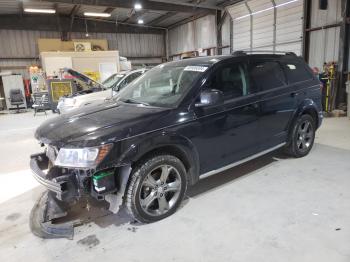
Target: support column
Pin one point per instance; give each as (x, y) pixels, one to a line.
(166, 44)
(306, 25)
(344, 52)
(274, 25)
(219, 32)
(231, 35)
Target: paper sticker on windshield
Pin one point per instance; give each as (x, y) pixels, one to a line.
(196, 68)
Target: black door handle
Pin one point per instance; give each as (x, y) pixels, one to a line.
(294, 94)
(250, 107)
(255, 105)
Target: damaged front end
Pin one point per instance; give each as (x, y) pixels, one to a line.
(66, 187)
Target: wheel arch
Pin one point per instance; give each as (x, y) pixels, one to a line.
(165, 143)
(308, 106)
(313, 113)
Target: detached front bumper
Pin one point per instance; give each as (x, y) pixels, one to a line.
(39, 162)
(54, 203)
(65, 186)
(45, 210)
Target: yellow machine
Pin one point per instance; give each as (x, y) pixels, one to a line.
(329, 77)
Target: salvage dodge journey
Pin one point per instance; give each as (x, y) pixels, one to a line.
(178, 122)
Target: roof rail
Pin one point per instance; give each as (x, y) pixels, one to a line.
(241, 52)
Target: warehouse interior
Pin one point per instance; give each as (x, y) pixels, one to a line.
(271, 208)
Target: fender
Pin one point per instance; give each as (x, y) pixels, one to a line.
(145, 145)
(166, 140)
(307, 105)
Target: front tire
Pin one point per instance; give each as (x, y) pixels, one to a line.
(156, 188)
(302, 136)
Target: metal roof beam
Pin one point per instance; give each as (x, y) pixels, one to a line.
(63, 24)
(206, 6)
(146, 4)
(109, 10)
(161, 18)
(226, 3)
(134, 15)
(190, 19)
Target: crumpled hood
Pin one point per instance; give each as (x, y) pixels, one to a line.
(101, 123)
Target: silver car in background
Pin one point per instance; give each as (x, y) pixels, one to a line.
(110, 87)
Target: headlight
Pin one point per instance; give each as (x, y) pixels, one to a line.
(87, 157)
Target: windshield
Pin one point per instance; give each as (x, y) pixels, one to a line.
(113, 80)
(163, 86)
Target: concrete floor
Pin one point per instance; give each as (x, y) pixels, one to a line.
(270, 209)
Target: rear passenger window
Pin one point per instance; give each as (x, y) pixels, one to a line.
(266, 75)
(296, 72)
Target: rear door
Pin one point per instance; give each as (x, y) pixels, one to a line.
(301, 80)
(277, 101)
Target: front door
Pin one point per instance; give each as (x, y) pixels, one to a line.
(228, 131)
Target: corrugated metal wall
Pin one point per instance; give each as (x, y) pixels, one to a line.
(200, 33)
(241, 27)
(324, 44)
(289, 26)
(18, 48)
(273, 25)
(263, 24)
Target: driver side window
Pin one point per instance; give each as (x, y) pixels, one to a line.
(231, 80)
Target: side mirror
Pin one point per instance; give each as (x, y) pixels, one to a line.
(210, 97)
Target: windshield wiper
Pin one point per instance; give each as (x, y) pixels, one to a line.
(132, 101)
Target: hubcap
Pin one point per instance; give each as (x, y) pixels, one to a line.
(305, 135)
(160, 190)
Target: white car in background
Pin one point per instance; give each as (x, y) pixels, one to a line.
(110, 87)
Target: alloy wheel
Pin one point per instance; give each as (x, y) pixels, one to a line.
(160, 190)
(305, 135)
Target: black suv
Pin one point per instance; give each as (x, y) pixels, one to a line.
(178, 122)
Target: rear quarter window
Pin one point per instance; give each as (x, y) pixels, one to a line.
(266, 75)
(296, 72)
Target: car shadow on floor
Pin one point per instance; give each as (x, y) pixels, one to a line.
(215, 181)
(89, 211)
(204, 186)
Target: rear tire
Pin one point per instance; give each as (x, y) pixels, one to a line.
(156, 188)
(302, 136)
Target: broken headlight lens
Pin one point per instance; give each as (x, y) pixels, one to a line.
(87, 157)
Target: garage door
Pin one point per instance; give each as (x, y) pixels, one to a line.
(268, 25)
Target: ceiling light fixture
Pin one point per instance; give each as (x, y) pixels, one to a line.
(137, 6)
(140, 21)
(97, 14)
(38, 10)
(264, 10)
